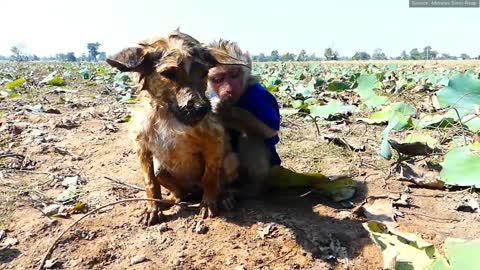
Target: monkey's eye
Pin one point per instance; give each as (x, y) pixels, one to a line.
(235, 74)
(170, 74)
(218, 80)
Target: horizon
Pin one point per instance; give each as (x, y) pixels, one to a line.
(49, 27)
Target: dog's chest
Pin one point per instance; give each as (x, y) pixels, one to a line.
(177, 150)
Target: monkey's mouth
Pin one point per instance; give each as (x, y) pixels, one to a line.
(191, 116)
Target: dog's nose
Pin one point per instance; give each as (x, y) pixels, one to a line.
(201, 108)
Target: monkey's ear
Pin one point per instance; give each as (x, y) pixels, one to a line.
(129, 59)
(220, 57)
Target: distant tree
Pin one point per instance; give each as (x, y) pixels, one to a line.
(464, 56)
(428, 53)
(3, 57)
(83, 57)
(447, 56)
(302, 56)
(274, 55)
(60, 57)
(378, 54)
(330, 54)
(93, 51)
(361, 56)
(288, 57)
(312, 57)
(415, 54)
(17, 54)
(70, 56)
(35, 58)
(102, 56)
(262, 57)
(404, 55)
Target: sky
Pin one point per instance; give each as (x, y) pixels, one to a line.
(48, 27)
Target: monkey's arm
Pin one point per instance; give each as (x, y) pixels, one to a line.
(244, 121)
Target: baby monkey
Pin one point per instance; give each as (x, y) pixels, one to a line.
(251, 116)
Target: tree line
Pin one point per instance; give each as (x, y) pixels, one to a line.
(93, 54)
(330, 54)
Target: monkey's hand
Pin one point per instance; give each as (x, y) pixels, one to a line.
(221, 108)
(244, 121)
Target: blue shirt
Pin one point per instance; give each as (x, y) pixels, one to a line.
(261, 103)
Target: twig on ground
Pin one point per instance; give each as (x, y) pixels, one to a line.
(166, 205)
(124, 184)
(314, 121)
(274, 260)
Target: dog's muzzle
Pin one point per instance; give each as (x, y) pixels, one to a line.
(191, 115)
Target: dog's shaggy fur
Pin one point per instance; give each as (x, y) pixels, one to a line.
(180, 144)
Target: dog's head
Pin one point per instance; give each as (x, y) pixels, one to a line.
(174, 69)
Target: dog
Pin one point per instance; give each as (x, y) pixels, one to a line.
(180, 143)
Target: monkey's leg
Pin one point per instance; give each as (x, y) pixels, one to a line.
(254, 169)
(152, 213)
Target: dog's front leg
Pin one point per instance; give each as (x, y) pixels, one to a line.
(213, 156)
(152, 213)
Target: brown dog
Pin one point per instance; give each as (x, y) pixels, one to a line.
(179, 142)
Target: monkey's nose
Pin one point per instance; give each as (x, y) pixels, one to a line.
(201, 108)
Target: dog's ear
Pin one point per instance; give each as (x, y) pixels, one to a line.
(129, 59)
(220, 57)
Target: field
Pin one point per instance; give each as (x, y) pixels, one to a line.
(406, 132)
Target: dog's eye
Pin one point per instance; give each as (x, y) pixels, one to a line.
(170, 74)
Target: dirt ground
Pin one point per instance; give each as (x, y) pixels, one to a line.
(294, 229)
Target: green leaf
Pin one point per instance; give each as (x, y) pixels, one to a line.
(272, 88)
(365, 89)
(426, 139)
(366, 84)
(472, 122)
(463, 254)
(288, 111)
(338, 86)
(437, 120)
(310, 101)
(404, 111)
(68, 194)
(15, 83)
(439, 264)
(56, 81)
(460, 166)
(462, 91)
(331, 108)
(385, 150)
(307, 91)
(392, 67)
(404, 251)
(296, 104)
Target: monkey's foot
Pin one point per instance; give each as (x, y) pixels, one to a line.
(151, 215)
(227, 200)
(208, 209)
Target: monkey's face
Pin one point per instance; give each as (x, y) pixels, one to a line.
(227, 82)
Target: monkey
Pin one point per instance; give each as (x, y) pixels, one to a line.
(251, 116)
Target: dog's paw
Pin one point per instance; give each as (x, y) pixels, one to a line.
(151, 216)
(208, 209)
